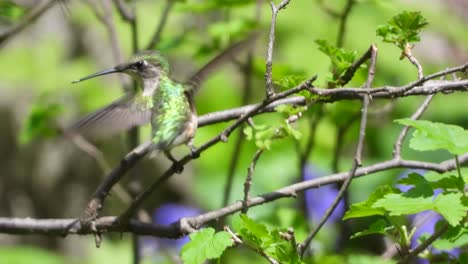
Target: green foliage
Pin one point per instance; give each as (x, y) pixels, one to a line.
(340, 58)
(212, 5)
(433, 136)
(26, 255)
(455, 236)
(365, 208)
(388, 201)
(10, 10)
(263, 135)
(290, 81)
(273, 242)
(402, 29)
(351, 259)
(451, 203)
(205, 244)
(377, 227)
(41, 122)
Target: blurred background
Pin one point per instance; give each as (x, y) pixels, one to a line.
(44, 175)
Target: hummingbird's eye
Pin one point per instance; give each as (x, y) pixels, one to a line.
(140, 64)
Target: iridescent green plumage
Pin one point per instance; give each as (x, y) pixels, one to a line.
(171, 113)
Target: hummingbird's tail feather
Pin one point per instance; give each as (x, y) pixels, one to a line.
(117, 117)
(222, 58)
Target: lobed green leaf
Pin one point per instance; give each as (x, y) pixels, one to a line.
(205, 244)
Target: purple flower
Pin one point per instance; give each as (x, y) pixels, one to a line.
(320, 199)
(167, 214)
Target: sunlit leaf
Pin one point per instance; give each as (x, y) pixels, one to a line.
(403, 28)
(433, 136)
(205, 244)
(450, 206)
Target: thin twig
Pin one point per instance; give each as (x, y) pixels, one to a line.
(248, 180)
(247, 73)
(162, 22)
(408, 54)
(404, 131)
(124, 11)
(349, 73)
(269, 58)
(357, 158)
(343, 22)
(28, 19)
(103, 189)
(425, 244)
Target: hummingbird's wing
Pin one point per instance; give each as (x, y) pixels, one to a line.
(217, 61)
(119, 116)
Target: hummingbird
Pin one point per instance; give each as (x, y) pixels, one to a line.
(160, 100)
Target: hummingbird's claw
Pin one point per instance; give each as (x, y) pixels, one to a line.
(194, 153)
(178, 168)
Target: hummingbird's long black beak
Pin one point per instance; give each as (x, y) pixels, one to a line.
(119, 68)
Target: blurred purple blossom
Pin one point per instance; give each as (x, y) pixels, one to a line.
(320, 199)
(167, 214)
(424, 222)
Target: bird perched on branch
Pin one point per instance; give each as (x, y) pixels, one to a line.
(165, 103)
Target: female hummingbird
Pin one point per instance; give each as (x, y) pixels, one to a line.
(167, 104)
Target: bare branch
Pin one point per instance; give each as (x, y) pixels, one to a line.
(37, 11)
(269, 64)
(404, 131)
(103, 189)
(408, 54)
(425, 244)
(357, 157)
(248, 179)
(125, 13)
(162, 22)
(60, 227)
(343, 21)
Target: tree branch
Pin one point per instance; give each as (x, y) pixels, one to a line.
(60, 227)
(269, 64)
(28, 19)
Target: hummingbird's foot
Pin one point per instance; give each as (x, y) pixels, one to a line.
(194, 153)
(178, 168)
(193, 150)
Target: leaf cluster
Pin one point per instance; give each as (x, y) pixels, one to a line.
(403, 29)
(442, 193)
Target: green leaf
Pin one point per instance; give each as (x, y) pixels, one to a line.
(41, 122)
(248, 132)
(399, 204)
(290, 110)
(454, 237)
(402, 29)
(257, 229)
(290, 131)
(450, 206)
(368, 259)
(422, 187)
(341, 59)
(365, 208)
(433, 136)
(290, 81)
(378, 227)
(205, 244)
(434, 177)
(451, 182)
